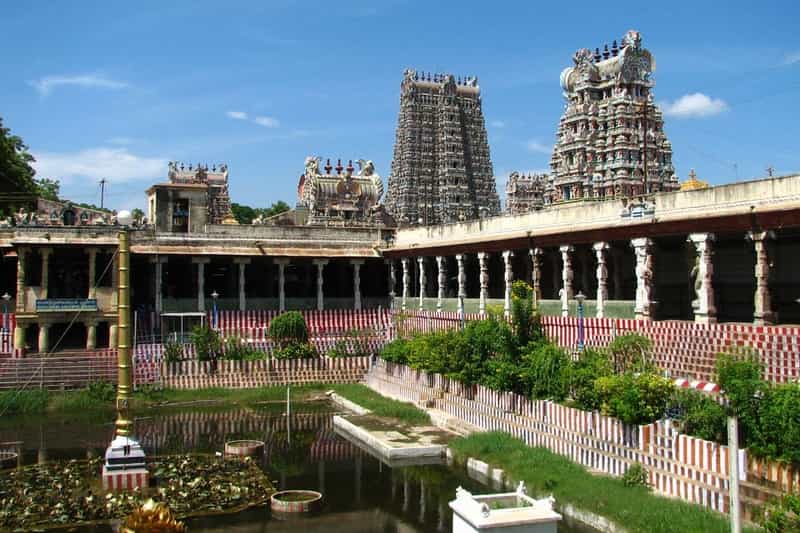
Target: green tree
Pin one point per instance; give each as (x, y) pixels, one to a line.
(137, 214)
(48, 189)
(16, 172)
(244, 214)
(276, 208)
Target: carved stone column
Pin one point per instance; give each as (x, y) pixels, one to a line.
(113, 336)
(441, 266)
(44, 337)
(484, 279)
(762, 310)
(703, 272)
(45, 272)
(201, 281)
(392, 282)
(566, 277)
(406, 281)
(509, 279)
(91, 335)
(462, 283)
(242, 262)
(92, 253)
(282, 263)
(643, 248)
(21, 260)
(423, 280)
(536, 274)
(602, 277)
(320, 283)
(357, 283)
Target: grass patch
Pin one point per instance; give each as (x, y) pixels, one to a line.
(24, 402)
(634, 508)
(382, 406)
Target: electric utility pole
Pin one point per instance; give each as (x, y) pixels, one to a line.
(102, 191)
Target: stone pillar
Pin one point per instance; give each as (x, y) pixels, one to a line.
(113, 335)
(282, 264)
(643, 248)
(566, 277)
(509, 279)
(462, 283)
(320, 283)
(357, 283)
(201, 281)
(21, 253)
(702, 273)
(45, 272)
(600, 249)
(536, 274)
(91, 335)
(441, 266)
(406, 281)
(44, 337)
(484, 279)
(762, 310)
(392, 282)
(242, 262)
(19, 336)
(92, 292)
(423, 279)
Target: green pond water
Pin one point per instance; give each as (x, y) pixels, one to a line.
(361, 494)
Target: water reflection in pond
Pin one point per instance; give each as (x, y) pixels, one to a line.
(303, 452)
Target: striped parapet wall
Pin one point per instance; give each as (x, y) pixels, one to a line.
(59, 372)
(679, 466)
(413, 322)
(254, 325)
(244, 374)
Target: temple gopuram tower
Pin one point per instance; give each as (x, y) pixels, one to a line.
(441, 169)
(610, 139)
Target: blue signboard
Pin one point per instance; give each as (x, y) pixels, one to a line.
(61, 305)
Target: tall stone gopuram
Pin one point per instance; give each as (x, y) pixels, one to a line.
(441, 169)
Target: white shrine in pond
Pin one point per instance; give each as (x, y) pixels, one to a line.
(510, 512)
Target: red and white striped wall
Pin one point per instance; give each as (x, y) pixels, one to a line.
(125, 479)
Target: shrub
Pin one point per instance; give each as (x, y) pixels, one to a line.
(395, 352)
(296, 350)
(288, 328)
(207, 343)
(236, 349)
(101, 391)
(480, 342)
(592, 364)
(173, 351)
(778, 432)
(525, 319)
(435, 351)
(635, 476)
(699, 416)
(630, 352)
(783, 515)
(739, 376)
(634, 399)
(544, 371)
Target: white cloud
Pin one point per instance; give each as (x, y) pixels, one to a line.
(47, 84)
(267, 122)
(497, 124)
(115, 164)
(238, 115)
(535, 145)
(695, 105)
(792, 58)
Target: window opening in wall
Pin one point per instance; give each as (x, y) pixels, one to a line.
(180, 216)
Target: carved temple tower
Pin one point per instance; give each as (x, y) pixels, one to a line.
(609, 124)
(441, 169)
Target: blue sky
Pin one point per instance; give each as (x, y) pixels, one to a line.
(113, 89)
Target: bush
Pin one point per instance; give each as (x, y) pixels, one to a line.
(289, 328)
(636, 476)
(101, 391)
(207, 343)
(395, 352)
(545, 368)
(630, 353)
(739, 376)
(296, 351)
(236, 349)
(778, 432)
(173, 351)
(480, 342)
(435, 352)
(525, 319)
(634, 399)
(783, 515)
(592, 364)
(699, 416)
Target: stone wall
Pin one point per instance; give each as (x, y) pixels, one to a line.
(679, 466)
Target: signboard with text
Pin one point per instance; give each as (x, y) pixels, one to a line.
(61, 305)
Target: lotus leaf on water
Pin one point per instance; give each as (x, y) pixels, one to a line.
(69, 492)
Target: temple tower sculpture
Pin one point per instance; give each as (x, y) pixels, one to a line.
(610, 139)
(525, 192)
(441, 169)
